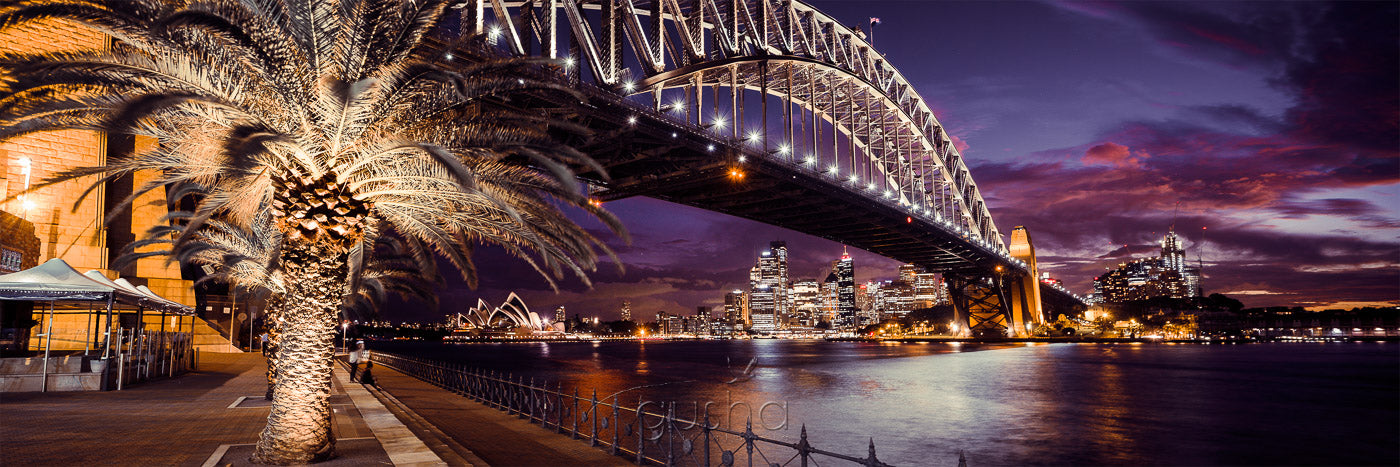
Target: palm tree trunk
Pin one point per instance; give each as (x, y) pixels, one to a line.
(274, 338)
(299, 428)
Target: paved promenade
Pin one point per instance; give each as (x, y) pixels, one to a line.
(480, 433)
(208, 417)
(212, 417)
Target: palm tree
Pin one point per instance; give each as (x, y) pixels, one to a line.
(324, 115)
(246, 258)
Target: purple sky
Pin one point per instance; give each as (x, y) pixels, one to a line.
(1274, 124)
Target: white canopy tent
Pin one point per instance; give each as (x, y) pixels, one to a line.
(51, 281)
(56, 281)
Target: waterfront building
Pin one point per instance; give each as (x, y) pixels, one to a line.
(762, 309)
(736, 309)
(928, 287)
(559, 315)
(768, 288)
(780, 272)
(845, 275)
(896, 298)
(512, 316)
(669, 324)
(804, 302)
(827, 300)
(701, 322)
(1166, 275)
(626, 310)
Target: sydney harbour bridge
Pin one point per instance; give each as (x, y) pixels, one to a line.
(773, 111)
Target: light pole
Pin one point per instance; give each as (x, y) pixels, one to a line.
(232, 329)
(345, 336)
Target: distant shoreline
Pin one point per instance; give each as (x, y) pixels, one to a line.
(964, 340)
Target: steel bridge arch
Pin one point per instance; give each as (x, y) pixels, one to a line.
(674, 42)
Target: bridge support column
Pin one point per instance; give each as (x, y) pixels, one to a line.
(979, 304)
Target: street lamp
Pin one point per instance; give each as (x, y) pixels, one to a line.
(345, 336)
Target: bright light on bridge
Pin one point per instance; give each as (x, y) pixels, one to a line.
(629, 86)
(720, 122)
(569, 62)
(809, 160)
(753, 136)
(495, 32)
(632, 120)
(710, 148)
(783, 148)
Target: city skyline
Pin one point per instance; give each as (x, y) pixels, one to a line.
(1098, 127)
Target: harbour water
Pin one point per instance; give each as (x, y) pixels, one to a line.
(1004, 404)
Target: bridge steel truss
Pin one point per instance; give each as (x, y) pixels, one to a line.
(771, 83)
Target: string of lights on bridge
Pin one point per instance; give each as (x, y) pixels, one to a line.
(713, 132)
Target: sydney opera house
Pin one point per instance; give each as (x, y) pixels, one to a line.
(512, 317)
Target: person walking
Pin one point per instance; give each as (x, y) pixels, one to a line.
(357, 356)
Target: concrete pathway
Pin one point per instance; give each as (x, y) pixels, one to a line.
(208, 417)
(481, 434)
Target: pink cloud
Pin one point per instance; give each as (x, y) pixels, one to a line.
(1113, 154)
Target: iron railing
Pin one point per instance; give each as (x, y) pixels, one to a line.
(648, 433)
(142, 355)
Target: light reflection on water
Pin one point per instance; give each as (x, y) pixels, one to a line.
(1008, 404)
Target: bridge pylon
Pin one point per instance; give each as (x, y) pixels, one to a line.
(1026, 311)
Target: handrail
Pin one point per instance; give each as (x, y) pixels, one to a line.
(660, 438)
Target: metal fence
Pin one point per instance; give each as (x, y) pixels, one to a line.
(647, 433)
(143, 355)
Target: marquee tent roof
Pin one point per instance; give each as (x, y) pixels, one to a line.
(56, 280)
(53, 280)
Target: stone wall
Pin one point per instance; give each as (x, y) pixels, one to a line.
(17, 234)
(76, 233)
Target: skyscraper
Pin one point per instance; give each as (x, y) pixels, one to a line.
(926, 285)
(1163, 276)
(768, 288)
(736, 309)
(780, 260)
(626, 310)
(845, 272)
(804, 302)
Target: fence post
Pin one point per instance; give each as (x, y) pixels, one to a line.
(617, 425)
(121, 358)
(574, 434)
(593, 417)
(641, 431)
(748, 438)
(559, 399)
(803, 449)
(670, 437)
(531, 389)
(705, 430)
